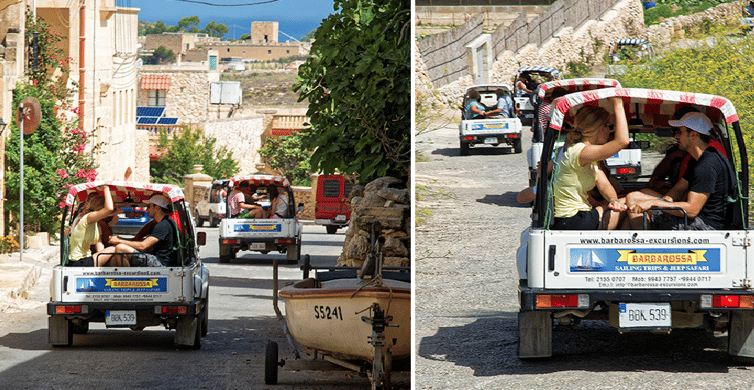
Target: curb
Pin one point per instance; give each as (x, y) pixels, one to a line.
(17, 277)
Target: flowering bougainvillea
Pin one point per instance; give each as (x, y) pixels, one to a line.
(58, 154)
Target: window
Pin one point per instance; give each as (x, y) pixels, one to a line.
(157, 97)
(269, 51)
(287, 52)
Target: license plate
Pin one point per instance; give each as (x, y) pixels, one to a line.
(120, 317)
(257, 246)
(340, 218)
(644, 315)
(529, 116)
(490, 140)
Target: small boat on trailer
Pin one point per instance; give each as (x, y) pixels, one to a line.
(355, 318)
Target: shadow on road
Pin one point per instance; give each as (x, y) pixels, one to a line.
(482, 151)
(507, 199)
(489, 346)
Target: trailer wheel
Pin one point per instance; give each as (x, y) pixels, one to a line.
(464, 149)
(331, 229)
(534, 334)
(271, 363)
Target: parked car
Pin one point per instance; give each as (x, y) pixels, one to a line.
(131, 220)
(331, 208)
(211, 207)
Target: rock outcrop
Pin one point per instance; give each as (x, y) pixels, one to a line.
(385, 200)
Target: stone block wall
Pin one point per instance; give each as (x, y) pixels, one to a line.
(188, 95)
(444, 54)
(568, 44)
(242, 136)
(662, 34)
(304, 195)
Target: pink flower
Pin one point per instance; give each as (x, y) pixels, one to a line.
(61, 205)
(63, 174)
(75, 110)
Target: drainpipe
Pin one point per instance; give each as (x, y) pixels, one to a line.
(82, 52)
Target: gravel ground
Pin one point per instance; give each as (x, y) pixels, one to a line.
(466, 293)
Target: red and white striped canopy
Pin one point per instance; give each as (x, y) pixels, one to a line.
(121, 191)
(260, 179)
(654, 107)
(575, 85)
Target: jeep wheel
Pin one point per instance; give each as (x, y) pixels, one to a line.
(198, 221)
(464, 149)
(517, 145)
(331, 229)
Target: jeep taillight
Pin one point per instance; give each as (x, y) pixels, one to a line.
(69, 309)
(727, 301)
(569, 300)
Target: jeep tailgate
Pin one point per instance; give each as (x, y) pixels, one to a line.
(639, 259)
(121, 284)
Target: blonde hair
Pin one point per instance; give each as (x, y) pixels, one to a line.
(96, 201)
(587, 122)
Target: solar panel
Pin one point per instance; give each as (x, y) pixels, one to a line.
(150, 111)
(167, 121)
(146, 120)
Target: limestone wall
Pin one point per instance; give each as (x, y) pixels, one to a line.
(387, 201)
(188, 95)
(242, 136)
(661, 35)
(444, 54)
(589, 40)
(304, 195)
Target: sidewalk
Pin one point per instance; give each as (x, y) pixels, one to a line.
(17, 277)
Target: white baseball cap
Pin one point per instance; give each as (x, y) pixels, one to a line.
(695, 121)
(159, 200)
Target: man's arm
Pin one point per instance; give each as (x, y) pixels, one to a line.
(142, 246)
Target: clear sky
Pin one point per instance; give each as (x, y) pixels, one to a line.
(295, 17)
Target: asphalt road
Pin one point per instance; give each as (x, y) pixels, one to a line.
(242, 321)
(466, 293)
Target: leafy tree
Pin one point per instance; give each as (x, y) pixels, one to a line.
(215, 30)
(244, 37)
(56, 155)
(160, 55)
(187, 148)
(189, 23)
(309, 36)
(358, 84)
(289, 156)
(157, 28)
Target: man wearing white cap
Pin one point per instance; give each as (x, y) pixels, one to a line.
(702, 192)
(160, 241)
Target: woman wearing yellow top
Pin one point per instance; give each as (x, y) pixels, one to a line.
(578, 171)
(85, 232)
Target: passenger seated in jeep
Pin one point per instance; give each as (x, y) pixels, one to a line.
(473, 108)
(578, 172)
(702, 192)
(504, 105)
(279, 207)
(158, 248)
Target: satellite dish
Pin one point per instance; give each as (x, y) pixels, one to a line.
(31, 112)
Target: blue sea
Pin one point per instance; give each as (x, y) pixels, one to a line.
(295, 18)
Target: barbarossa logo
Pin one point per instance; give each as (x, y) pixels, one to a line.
(114, 283)
(262, 227)
(689, 258)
